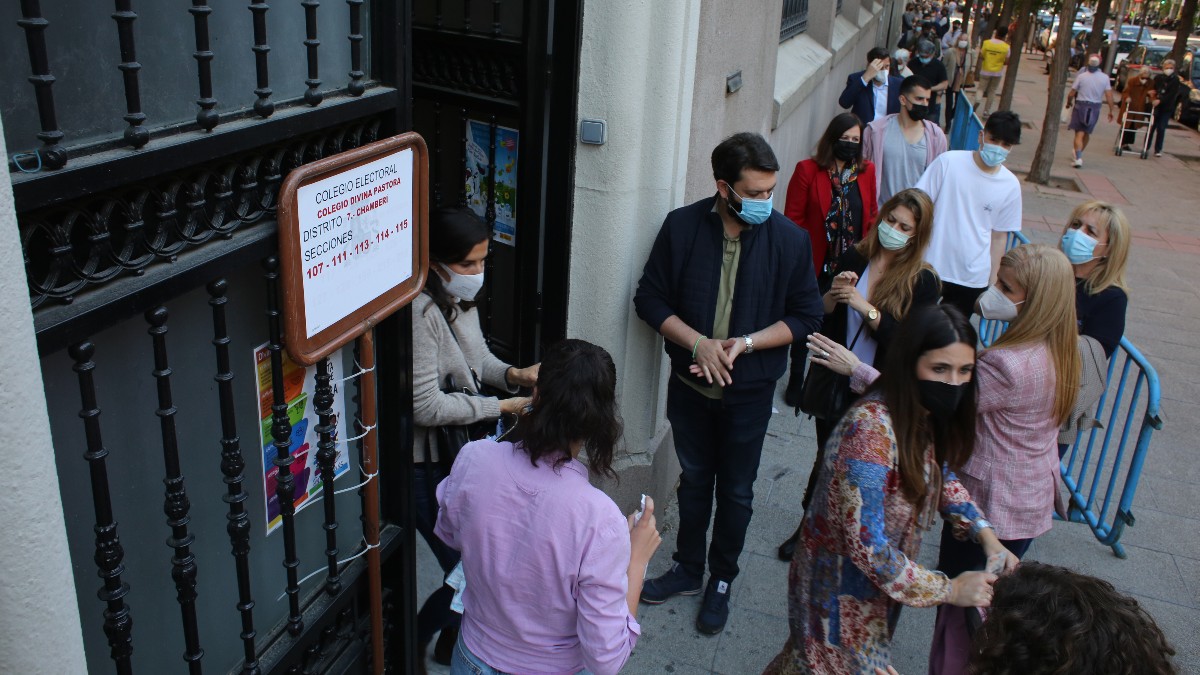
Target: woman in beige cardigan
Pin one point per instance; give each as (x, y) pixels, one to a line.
(448, 343)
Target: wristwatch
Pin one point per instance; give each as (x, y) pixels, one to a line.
(749, 344)
(872, 314)
(978, 526)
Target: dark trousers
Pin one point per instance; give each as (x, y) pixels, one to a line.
(1158, 128)
(951, 101)
(935, 112)
(824, 431)
(435, 614)
(719, 445)
(954, 625)
(962, 297)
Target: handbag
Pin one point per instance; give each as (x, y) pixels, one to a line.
(826, 394)
(452, 437)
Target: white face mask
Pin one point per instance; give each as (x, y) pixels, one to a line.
(996, 306)
(1168, 71)
(962, 44)
(462, 286)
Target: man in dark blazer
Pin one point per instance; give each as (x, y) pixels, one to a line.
(869, 91)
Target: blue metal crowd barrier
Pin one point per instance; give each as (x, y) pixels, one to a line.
(1092, 476)
(965, 128)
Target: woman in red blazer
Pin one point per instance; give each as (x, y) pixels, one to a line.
(832, 196)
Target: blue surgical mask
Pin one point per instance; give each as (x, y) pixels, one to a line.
(1078, 246)
(993, 155)
(1092, 69)
(753, 211)
(924, 59)
(891, 238)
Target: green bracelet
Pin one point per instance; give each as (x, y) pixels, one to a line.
(695, 346)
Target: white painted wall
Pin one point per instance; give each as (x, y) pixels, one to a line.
(637, 71)
(39, 617)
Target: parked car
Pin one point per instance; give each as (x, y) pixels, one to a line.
(1142, 55)
(1079, 47)
(1188, 110)
(1049, 36)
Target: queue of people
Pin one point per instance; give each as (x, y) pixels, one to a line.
(887, 244)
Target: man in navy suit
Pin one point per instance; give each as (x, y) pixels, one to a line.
(874, 92)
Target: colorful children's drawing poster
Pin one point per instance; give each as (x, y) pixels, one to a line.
(299, 387)
(479, 142)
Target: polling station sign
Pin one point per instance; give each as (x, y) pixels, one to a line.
(352, 241)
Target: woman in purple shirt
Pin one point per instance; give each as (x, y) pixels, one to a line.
(553, 570)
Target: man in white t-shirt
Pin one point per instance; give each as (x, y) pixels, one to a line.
(976, 203)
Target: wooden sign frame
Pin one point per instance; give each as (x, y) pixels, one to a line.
(307, 350)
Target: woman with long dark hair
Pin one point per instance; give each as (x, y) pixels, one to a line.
(882, 278)
(553, 570)
(448, 347)
(889, 468)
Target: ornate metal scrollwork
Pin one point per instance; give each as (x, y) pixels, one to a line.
(482, 72)
(72, 249)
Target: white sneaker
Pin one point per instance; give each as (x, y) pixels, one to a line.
(1077, 163)
(1158, 154)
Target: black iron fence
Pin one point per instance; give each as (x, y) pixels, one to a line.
(148, 144)
(795, 18)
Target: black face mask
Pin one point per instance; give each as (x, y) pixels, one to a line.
(939, 398)
(847, 151)
(918, 111)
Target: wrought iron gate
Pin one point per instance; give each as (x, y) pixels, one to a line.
(145, 180)
(496, 69)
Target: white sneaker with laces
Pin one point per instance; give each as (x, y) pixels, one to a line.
(1077, 163)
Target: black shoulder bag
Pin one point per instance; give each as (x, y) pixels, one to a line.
(452, 437)
(826, 394)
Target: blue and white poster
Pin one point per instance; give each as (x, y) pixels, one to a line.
(478, 177)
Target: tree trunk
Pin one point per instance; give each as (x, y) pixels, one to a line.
(1014, 60)
(1097, 36)
(1043, 158)
(1006, 14)
(1187, 18)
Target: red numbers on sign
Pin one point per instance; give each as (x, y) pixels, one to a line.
(315, 270)
(362, 246)
(383, 235)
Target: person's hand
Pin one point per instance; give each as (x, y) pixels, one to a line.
(733, 347)
(972, 589)
(714, 364)
(849, 296)
(513, 406)
(644, 537)
(890, 671)
(1011, 561)
(1111, 116)
(844, 279)
(524, 377)
(873, 69)
(832, 355)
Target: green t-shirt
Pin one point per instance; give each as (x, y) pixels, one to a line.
(730, 257)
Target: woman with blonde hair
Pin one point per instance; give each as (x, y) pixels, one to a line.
(882, 278)
(1096, 240)
(1028, 381)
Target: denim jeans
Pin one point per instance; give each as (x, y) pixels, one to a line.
(463, 662)
(719, 446)
(435, 614)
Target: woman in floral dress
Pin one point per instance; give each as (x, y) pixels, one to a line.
(888, 468)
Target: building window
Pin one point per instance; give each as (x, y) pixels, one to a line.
(795, 18)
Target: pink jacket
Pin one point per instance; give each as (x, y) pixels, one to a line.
(872, 138)
(1013, 474)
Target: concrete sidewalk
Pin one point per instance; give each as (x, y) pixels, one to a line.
(1163, 567)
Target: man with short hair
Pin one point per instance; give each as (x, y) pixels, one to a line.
(1090, 88)
(951, 37)
(727, 335)
(902, 145)
(927, 65)
(976, 203)
(993, 57)
(872, 92)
